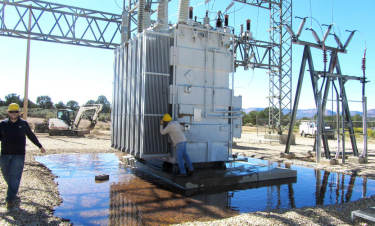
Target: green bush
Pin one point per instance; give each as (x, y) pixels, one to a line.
(371, 133)
(358, 130)
(42, 113)
(104, 117)
(3, 112)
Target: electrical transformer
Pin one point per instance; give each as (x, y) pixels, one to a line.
(187, 71)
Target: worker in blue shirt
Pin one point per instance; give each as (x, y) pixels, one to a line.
(13, 132)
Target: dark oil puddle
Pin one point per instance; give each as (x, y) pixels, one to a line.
(128, 199)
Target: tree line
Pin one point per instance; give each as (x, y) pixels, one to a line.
(45, 102)
(261, 118)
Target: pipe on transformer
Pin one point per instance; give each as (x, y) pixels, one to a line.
(183, 11)
(141, 11)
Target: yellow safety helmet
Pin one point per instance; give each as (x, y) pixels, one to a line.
(167, 118)
(13, 107)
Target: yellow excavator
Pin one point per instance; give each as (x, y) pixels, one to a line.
(67, 125)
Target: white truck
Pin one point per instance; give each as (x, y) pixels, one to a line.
(307, 128)
(310, 128)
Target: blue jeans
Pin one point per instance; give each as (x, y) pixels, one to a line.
(12, 167)
(181, 156)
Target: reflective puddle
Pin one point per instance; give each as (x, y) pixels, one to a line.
(129, 199)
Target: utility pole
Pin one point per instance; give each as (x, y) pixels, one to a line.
(26, 96)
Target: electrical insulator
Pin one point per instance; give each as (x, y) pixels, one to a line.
(364, 62)
(241, 29)
(325, 60)
(248, 25)
(195, 18)
(191, 13)
(226, 20)
(206, 20)
(219, 22)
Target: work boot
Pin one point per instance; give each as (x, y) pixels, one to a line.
(190, 172)
(11, 205)
(17, 201)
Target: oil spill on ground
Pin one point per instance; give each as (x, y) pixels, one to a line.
(125, 199)
(130, 199)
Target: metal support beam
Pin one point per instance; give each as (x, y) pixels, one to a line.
(253, 53)
(59, 23)
(305, 58)
(265, 4)
(346, 112)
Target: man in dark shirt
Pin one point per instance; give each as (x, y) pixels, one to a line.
(13, 132)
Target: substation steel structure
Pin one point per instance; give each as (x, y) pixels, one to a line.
(321, 81)
(59, 23)
(274, 55)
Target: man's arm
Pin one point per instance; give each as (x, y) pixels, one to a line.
(1, 131)
(165, 130)
(32, 137)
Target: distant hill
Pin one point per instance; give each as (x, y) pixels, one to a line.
(309, 113)
(247, 110)
(371, 113)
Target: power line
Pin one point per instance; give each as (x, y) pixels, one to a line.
(311, 15)
(332, 13)
(117, 4)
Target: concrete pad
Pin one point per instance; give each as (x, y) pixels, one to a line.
(362, 160)
(334, 162)
(290, 155)
(352, 159)
(280, 138)
(284, 138)
(367, 214)
(242, 175)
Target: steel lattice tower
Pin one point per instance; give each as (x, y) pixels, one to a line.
(280, 80)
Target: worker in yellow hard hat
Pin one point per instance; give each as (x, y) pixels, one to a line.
(176, 132)
(13, 132)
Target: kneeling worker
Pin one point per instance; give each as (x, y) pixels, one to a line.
(176, 132)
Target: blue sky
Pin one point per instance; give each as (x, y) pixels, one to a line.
(66, 72)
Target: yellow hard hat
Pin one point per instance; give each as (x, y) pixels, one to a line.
(167, 118)
(13, 107)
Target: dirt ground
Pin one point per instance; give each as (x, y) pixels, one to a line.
(39, 192)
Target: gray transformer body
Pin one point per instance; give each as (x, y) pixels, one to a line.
(187, 72)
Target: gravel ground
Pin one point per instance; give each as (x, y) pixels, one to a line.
(39, 194)
(328, 215)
